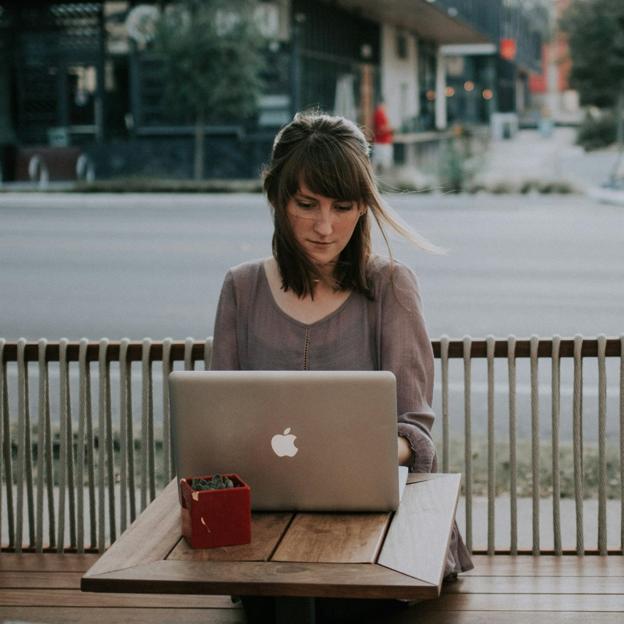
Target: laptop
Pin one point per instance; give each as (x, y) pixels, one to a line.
(302, 440)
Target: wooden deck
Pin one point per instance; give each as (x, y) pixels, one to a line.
(501, 589)
(46, 588)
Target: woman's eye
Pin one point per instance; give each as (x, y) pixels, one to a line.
(344, 207)
(304, 205)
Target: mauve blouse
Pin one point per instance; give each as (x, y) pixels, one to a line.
(388, 333)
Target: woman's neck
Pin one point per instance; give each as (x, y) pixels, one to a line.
(325, 300)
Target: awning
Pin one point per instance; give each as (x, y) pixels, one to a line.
(429, 20)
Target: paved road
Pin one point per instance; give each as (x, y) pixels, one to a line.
(135, 266)
(110, 265)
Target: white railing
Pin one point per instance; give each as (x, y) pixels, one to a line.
(78, 481)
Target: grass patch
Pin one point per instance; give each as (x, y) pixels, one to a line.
(591, 468)
(524, 488)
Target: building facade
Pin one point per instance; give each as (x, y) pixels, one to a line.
(77, 74)
(550, 87)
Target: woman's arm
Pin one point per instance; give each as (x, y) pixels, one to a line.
(404, 452)
(225, 338)
(406, 351)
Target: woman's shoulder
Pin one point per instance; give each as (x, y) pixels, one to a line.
(395, 286)
(246, 272)
(383, 270)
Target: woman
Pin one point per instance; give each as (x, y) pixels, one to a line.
(323, 301)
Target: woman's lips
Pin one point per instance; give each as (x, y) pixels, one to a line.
(322, 243)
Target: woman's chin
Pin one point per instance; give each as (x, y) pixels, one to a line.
(323, 259)
(323, 262)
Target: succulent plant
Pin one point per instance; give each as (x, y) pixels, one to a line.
(216, 482)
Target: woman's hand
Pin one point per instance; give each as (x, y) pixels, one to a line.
(404, 452)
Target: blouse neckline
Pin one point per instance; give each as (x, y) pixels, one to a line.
(292, 319)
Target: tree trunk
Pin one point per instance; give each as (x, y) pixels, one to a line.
(619, 115)
(198, 164)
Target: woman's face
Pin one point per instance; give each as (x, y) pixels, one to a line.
(322, 226)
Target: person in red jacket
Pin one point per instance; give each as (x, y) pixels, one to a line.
(383, 137)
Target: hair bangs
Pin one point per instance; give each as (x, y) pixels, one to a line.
(326, 168)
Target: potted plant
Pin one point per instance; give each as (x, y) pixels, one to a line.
(216, 510)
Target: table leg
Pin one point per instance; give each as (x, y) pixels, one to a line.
(300, 610)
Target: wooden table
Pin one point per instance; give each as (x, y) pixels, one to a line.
(292, 555)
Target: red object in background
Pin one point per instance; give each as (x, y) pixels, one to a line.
(537, 82)
(508, 49)
(212, 518)
(381, 125)
(557, 54)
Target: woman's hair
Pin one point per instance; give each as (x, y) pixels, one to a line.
(330, 155)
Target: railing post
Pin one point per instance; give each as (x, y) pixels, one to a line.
(556, 412)
(577, 444)
(188, 355)
(147, 437)
(535, 458)
(103, 411)
(208, 353)
(602, 443)
(21, 450)
(125, 406)
(2, 429)
(513, 460)
(86, 417)
(80, 454)
(491, 434)
(622, 444)
(65, 450)
(444, 364)
(166, 369)
(467, 343)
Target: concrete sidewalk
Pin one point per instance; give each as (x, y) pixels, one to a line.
(532, 157)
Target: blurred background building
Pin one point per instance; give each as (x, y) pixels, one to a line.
(550, 86)
(79, 78)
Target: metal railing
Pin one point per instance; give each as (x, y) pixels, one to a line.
(83, 453)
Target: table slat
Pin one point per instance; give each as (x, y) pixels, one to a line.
(335, 580)
(333, 538)
(266, 531)
(151, 537)
(419, 534)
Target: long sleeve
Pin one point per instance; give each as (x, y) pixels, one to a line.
(225, 336)
(406, 351)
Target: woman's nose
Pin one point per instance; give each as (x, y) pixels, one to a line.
(323, 224)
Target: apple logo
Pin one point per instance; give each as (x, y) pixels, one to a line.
(284, 444)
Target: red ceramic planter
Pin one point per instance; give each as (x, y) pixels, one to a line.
(212, 518)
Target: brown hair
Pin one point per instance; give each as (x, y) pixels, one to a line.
(330, 155)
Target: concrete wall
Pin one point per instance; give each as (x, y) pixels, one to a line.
(399, 76)
(226, 157)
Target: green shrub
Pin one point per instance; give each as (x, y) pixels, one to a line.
(597, 131)
(455, 165)
(555, 186)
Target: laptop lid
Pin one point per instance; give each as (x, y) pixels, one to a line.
(302, 440)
